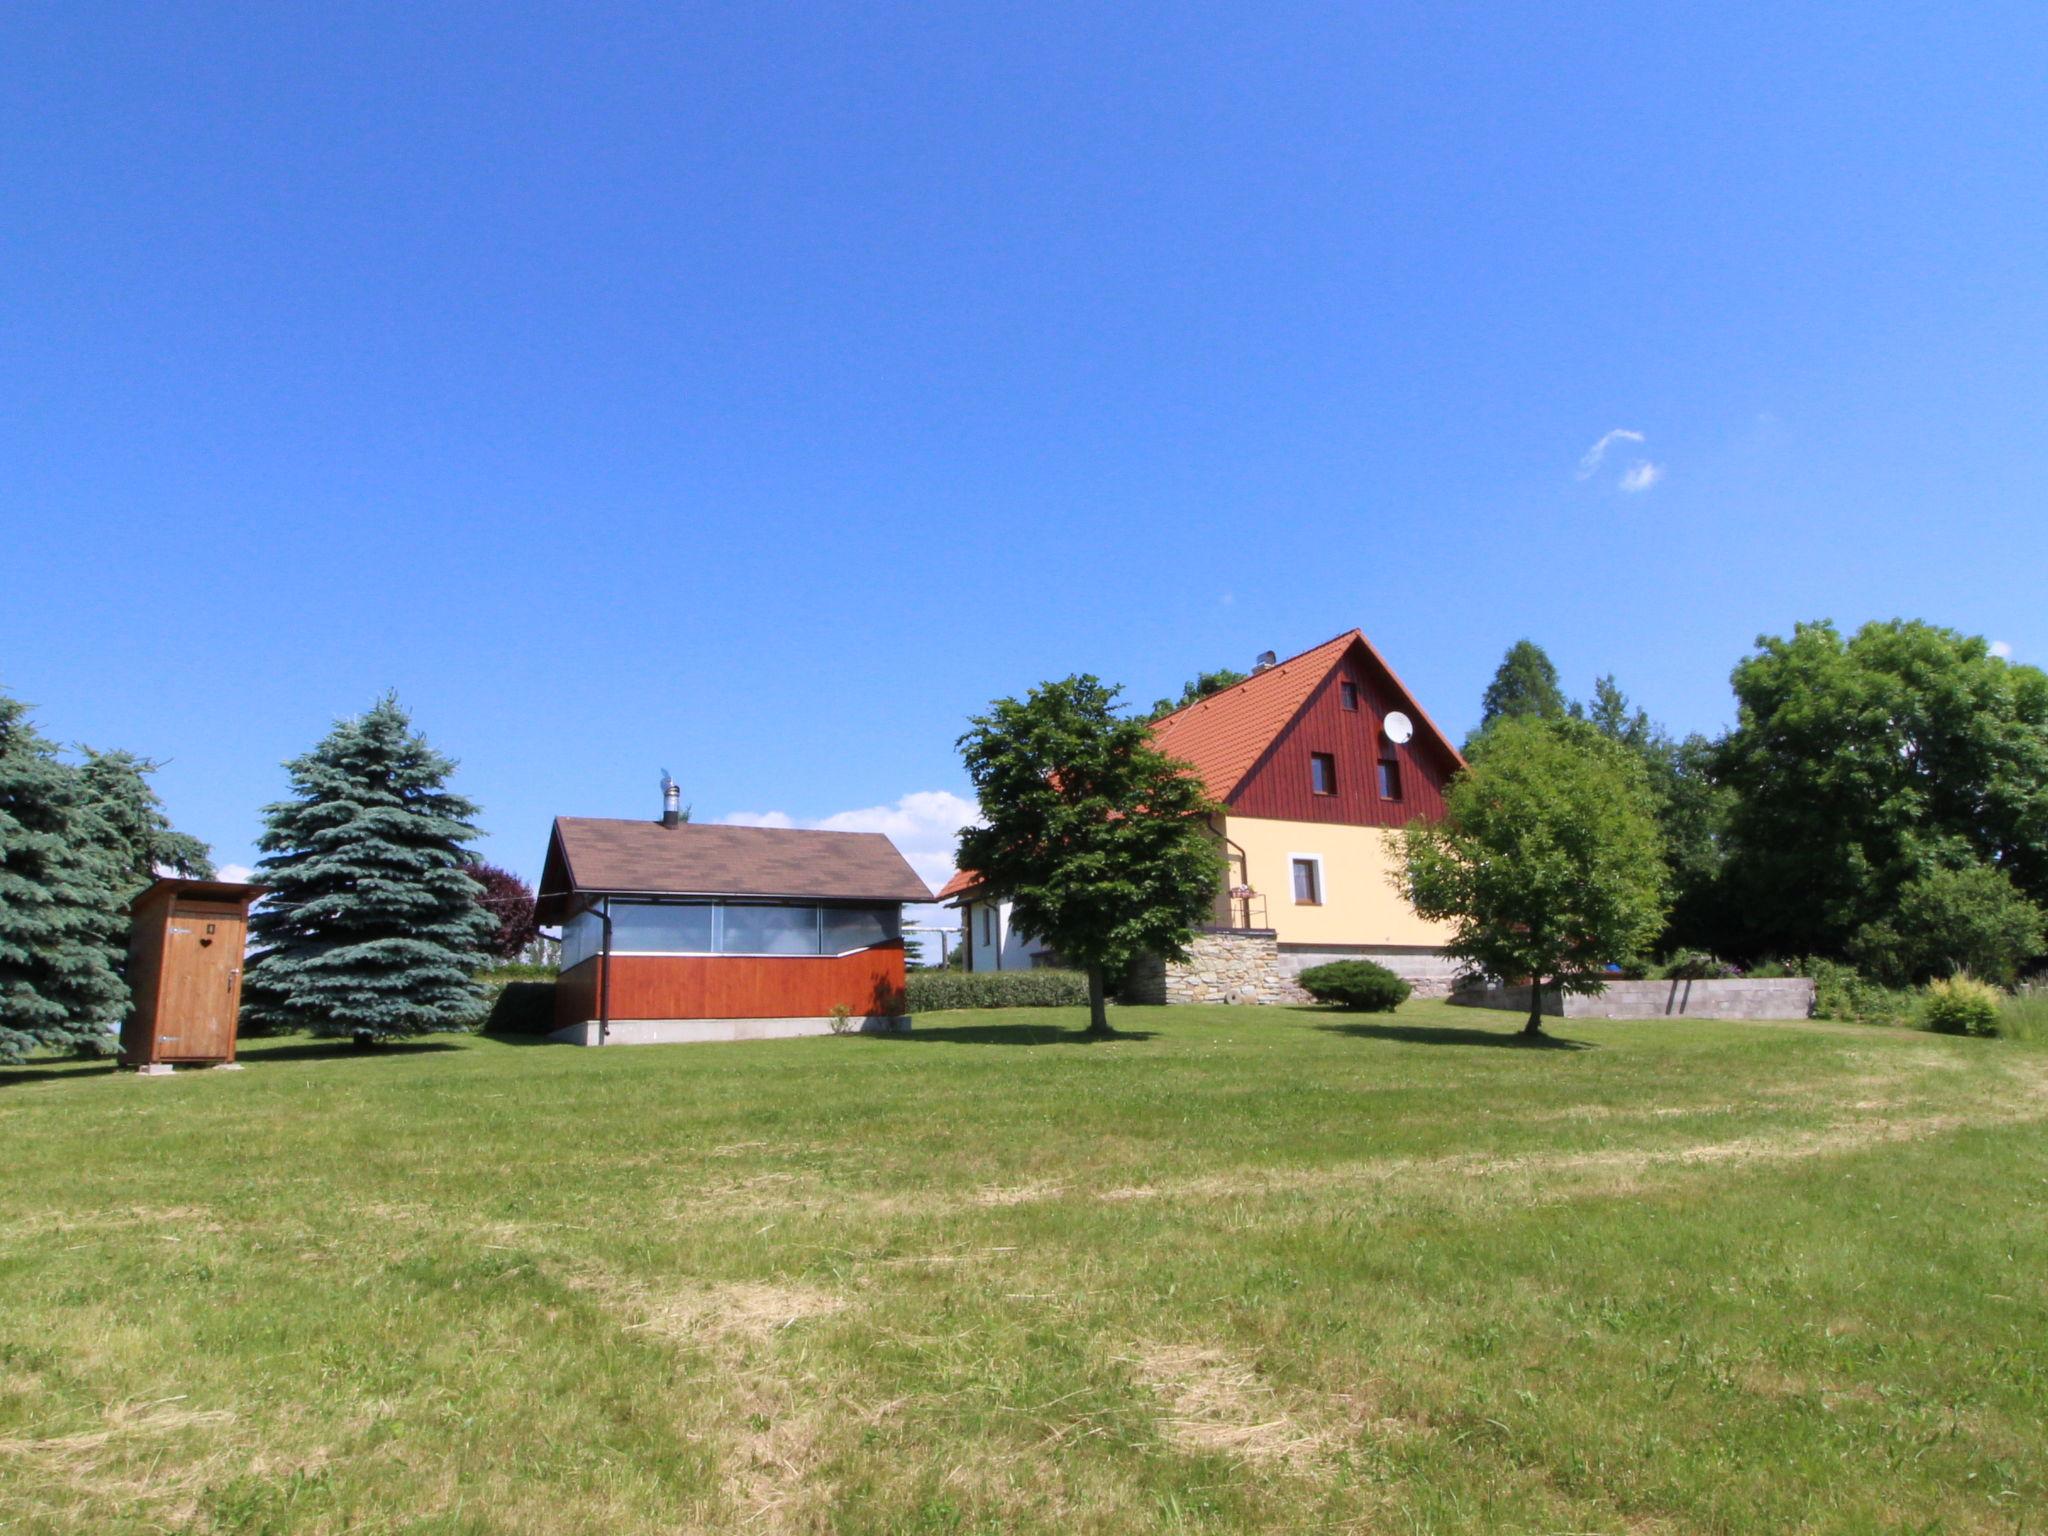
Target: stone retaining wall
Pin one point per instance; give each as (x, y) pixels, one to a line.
(1223, 966)
(1777, 998)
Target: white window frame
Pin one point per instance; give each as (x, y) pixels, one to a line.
(1322, 890)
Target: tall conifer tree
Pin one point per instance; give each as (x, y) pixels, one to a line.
(139, 835)
(374, 927)
(60, 917)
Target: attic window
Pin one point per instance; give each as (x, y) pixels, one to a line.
(1322, 773)
(1347, 695)
(1390, 778)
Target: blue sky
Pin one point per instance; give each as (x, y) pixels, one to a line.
(756, 391)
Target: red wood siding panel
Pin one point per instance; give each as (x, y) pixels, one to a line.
(736, 986)
(1278, 786)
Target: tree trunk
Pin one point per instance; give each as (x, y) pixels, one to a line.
(1535, 1024)
(1098, 1002)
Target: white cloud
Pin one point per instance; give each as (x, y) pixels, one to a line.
(1640, 476)
(758, 819)
(1589, 462)
(924, 825)
(2002, 649)
(241, 874)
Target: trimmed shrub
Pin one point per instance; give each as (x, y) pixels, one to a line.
(1361, 984)
(940, 991)
(1962, 1005)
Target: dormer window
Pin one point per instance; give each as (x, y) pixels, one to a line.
(1347, 695)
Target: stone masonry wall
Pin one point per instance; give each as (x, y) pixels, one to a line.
(1235, 966)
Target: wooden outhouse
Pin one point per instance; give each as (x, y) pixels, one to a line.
(185, 945)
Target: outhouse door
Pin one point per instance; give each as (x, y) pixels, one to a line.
(201, 982)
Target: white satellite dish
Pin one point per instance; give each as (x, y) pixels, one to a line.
(1399, 728)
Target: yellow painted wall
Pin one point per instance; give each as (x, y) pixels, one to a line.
(1359, 906)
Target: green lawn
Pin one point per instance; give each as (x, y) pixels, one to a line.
(1246, 1270)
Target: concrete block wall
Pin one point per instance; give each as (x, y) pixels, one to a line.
(1740, 998)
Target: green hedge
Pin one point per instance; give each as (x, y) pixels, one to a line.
(938, 991)
(516, 1000)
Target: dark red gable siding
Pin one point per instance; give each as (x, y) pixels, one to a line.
(1279, 787)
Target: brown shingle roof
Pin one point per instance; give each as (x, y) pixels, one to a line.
(593, 854)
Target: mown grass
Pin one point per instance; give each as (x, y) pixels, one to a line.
(1245, 1270)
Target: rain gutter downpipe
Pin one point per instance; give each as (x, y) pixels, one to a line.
(603, 909)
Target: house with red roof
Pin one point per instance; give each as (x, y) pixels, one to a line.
(1314, 760)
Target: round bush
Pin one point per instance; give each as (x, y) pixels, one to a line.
(1961, 1006)
(1362, 984)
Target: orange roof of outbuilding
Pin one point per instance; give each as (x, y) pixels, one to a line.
(963, 880)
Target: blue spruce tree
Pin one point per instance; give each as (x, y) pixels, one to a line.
(61, 924)
(373, 929)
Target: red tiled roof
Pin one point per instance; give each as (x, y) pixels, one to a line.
(963, 880)
(1224, 734)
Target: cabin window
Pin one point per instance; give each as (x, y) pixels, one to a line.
(1308, 882)
(663, 928)
(849, 928)
(1322, 773)
(1390, 778)
(1347, 695)
(582, 937)
(771, 931)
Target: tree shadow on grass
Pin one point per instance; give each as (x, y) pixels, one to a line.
(256, 1053)
(1011, 1034)
(1451, 1034)
(14, 1077)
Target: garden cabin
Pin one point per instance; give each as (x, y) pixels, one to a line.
(673, 931)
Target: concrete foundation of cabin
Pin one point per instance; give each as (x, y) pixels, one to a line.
(701, 1031)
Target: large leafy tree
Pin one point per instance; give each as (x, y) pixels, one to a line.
(139, 834)
(1524, 686)
(374, 927)
(1203, 685)
(1862, 764)
(61, 923)
(1946, 921)
(1692, 810)
(1099, 840)
(1547, 863)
